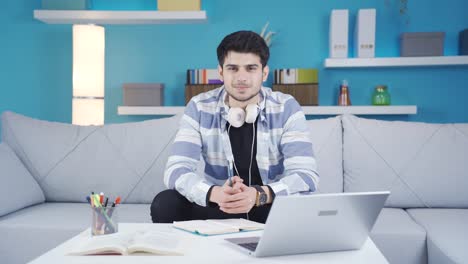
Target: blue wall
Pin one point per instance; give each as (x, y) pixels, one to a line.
(36, 66)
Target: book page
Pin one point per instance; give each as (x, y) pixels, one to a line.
(156, 242)
(106, 244)
(239, 223)
(204, 227)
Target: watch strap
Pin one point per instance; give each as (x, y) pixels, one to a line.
(260, 192)
(259, 188)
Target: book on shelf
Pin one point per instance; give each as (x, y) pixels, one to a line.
(179, 5)
(203, 76)
(218, 226)
(295, 75)
(131, 243)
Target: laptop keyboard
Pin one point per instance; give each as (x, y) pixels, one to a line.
(249, 246)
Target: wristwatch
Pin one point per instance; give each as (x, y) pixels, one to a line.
(261, 196)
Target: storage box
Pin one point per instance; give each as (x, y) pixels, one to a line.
(338, 37)
(66, 4)
(463, 42)
(364, 34)
(422, 44)
(179, 5)
(143, 94)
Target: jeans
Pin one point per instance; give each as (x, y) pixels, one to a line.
(169, 206)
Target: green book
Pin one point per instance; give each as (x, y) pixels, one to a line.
(307, 76)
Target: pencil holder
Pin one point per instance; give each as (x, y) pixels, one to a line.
(104, 220)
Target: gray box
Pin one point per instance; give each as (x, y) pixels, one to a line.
(66, 4)
(463, 42)
(422, 44)
(143, 94)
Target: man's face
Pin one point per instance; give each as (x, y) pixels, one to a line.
(243, 75)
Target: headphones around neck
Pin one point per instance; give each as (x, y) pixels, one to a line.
(237, 116)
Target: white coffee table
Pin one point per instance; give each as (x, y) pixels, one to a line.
(213, 249)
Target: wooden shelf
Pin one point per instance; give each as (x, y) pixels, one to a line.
(150, 110)
(396, 62)
(308, 110)
(118, 17)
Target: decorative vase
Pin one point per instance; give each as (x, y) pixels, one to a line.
(381, 96)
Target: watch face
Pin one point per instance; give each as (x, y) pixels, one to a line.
(263, 198)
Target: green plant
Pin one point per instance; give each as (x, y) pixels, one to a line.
(267, 36)
(402, 6)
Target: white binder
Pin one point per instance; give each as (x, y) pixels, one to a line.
(289, 76)
(364, 34)
(338, 38)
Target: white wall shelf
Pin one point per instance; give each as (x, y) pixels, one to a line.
(361, 110)
(308, 110)
(118, 17)
(396, 62)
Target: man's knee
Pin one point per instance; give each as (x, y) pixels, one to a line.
(169, 206)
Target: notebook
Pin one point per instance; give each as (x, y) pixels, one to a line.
(218, 226)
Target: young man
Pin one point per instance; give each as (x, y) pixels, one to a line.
(247, 163)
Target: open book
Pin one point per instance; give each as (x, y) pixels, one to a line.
(218, 226)
(139, 242)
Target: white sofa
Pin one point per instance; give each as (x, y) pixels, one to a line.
(47, 169)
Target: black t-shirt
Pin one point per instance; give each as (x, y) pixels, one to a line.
(241, 143)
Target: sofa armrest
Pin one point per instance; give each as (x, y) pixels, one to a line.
(18, 188)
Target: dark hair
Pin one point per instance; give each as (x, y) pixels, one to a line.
(243, 42)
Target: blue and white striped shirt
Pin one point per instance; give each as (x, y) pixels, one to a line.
(284, 151)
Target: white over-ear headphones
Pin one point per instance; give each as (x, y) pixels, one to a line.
(237, 116)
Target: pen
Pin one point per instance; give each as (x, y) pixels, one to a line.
(95, 199)
(117, 201)
(230, 174)
(91, 197)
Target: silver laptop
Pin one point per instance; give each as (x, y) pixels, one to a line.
(316, 223)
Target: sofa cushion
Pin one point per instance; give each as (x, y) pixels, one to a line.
(423, 165)
(18, 188)
(52, 224)
(70, 161)
(447, 233)
(399, 238)
(327, 138)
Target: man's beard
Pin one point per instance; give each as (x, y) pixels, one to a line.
(240, 99)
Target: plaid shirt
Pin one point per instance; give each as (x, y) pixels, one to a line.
(284, 151)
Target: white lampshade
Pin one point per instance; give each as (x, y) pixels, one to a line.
(88, 111)
(88, 75)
